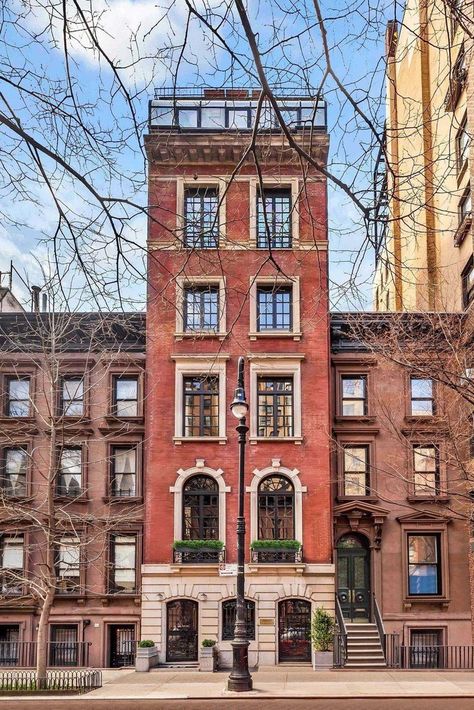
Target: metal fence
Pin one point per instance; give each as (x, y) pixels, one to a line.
(22, 654)
(56, 681)
(443, 657)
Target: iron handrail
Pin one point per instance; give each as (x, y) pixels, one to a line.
(340, 637)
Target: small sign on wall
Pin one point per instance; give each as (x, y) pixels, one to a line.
(266, 622)
(229, 570)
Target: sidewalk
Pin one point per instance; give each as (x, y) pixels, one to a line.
(282, 682)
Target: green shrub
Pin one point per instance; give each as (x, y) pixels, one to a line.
(322, 630)
(275, 545)
(208, 643)
(146, 644)
(198, 544)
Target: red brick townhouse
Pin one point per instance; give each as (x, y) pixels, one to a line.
(237, 265)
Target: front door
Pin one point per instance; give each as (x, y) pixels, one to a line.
(181, 631)
(294, 623)
(353, 578)
(122, 645)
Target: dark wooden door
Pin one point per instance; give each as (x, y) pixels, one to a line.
(294, 622)
(353, 578)
(182, 630)
(122, 645)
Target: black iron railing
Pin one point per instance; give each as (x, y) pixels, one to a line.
(340, 638)
(391, 650)
(277, 556)
(198, 556)
(23, 654)
(446, 657)
(59, 681)
(171, 92)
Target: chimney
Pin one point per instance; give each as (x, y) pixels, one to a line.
(35, 299)
(44, 299)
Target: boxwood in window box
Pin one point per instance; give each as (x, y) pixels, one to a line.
(275, 545)
(198, 545)
(276, 551)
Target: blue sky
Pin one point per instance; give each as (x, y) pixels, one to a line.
(153, 33)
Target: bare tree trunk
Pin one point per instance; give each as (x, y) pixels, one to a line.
(42, 642)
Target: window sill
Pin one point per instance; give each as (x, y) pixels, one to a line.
(428, 499)
(276, 334)
(71, 499)
(297, 440)
(178, 440)
(200, 334)
(122, 499)
(409, 601)
(363, 419)
(462, 230)
(348, 499)
(114, 419)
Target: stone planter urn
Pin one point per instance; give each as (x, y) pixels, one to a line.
(322, 660)
(146, 658)
(208, 659)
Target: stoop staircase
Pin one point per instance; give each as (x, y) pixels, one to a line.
(364, 648)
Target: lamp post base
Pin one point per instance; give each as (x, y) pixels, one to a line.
(240, 679)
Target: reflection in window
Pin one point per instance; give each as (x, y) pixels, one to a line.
(276, 517)
(426, 470)
(356, 470)
(274, 219)
(201, 308)
(18, 397)
(354, 395)
(424, 571)
(275, 406)
(123, 554)
(274, 305)
(200, 509)
(68, 570)
(422, 401)
(126, 396)
(201, 217)
(73, 396)
(201, 406)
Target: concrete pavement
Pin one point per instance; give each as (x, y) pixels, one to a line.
(279, 682)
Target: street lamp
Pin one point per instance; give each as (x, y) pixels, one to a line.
(240, 678)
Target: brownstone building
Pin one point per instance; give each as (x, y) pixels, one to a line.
(401, 513)
(214, 294)
(71, 439)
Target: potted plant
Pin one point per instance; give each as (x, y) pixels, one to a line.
(147, 656)
(322, 638)
(208, 656)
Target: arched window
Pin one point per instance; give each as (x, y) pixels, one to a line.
(276, 509)
(229, 609)
(201, 509)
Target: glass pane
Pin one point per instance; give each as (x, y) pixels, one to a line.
(162, 115)
(353, 387)
(425, 458)
(188, 118)
(15, 461)
(126, 389)
(12, 553)
(423, 579)
(238, 118)
(421, 387)
(422, 548)
(125, 554)
(213, 117)
(19, 389)
(355, 484)
(125, 460)
(355, 458)
(73, 389)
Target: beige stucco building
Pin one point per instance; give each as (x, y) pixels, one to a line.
(424, 254)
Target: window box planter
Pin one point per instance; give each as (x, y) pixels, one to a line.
(147, 657)
(198, 552)
(208, 657)
(276, 551)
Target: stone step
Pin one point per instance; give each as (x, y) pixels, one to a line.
(359, 664)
